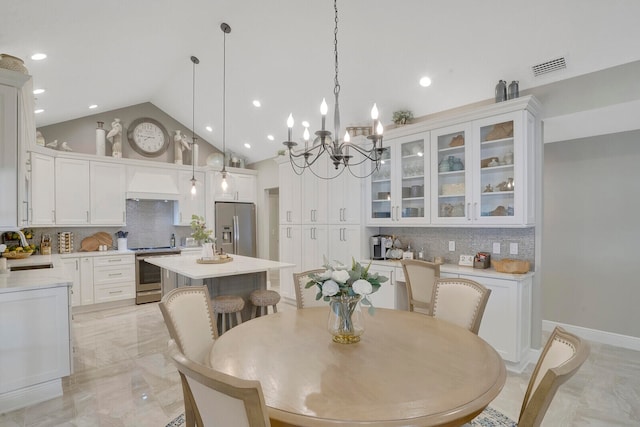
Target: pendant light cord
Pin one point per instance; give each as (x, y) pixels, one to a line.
(195, 61)
(225, 29)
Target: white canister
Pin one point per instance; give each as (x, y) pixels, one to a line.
(122, 243)
(101, 140)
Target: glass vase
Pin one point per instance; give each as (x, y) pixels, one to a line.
(346, 322)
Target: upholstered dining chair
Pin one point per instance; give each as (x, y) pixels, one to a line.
(562, 356)
(221, 399)
(306, 297)
(189, 317)
(420, 277)
(459, 301)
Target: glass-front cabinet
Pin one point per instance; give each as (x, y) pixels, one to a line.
(399, 190)
(478, 171)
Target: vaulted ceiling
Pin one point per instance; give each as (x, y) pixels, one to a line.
(117, 53)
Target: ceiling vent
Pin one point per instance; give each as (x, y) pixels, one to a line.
(549, 66)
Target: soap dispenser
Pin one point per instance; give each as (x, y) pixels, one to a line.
(172, 242)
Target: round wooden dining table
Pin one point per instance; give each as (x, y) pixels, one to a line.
(409, 369)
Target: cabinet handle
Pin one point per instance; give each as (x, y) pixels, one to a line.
(87, 217)
(26, 213)
(114, 260)
(53, 216)
(115, 292)
(289, 232)
(77, 265)
(115, 274)
(469, 211)
(475, 210)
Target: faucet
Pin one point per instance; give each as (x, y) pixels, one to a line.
(23, 240)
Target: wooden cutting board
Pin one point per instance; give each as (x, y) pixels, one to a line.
(89, 244)
(104, 239)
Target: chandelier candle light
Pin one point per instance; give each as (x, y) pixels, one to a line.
(338, 151)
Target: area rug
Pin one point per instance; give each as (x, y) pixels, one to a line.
(492, 418)
(178, 422)
(488, 418)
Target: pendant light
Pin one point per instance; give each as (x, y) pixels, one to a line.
(227, 181)
(195, 61)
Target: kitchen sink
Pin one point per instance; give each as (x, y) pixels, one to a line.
(31, 267)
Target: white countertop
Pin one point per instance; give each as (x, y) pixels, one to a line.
(187, 266)
(459, 269)
(16, 281)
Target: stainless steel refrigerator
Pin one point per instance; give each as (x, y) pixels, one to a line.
(236, 228)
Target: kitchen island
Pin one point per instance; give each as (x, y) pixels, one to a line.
(35, 339)
(239, 277)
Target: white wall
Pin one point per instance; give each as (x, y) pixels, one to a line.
(267, 178)
(591, 233)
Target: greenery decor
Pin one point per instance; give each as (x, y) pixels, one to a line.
(401, 117)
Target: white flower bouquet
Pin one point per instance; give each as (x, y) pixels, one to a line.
(337, 280)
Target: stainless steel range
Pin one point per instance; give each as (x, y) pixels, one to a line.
(148, 276)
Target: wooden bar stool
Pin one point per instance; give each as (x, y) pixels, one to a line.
(262, 299)
(227, 305)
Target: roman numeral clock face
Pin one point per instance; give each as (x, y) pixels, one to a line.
(148, 137)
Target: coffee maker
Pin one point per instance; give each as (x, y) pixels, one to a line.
(379, 245)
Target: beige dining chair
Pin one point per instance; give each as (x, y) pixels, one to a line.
(420, 277)
(222, 400)
(189, 317)
(460, 301)
(562, 356)
(306, 297)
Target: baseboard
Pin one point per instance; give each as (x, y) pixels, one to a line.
(602, 337)
(31, 395)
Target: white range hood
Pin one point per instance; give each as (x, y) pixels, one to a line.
(152, 184)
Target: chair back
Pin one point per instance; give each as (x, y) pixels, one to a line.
(561, 357)
(189, 317)
(420, 277)
(223, 400)
(460, 301)
(306, 297)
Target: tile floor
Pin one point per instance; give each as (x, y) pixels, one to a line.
(124, 377)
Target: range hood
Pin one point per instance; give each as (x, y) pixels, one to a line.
(152, 184)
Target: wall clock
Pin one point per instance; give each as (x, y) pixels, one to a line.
(148, 137)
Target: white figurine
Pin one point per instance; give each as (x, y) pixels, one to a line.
(115, 138)
(65, 146)
(180, 144)
(40, 139)
(53, 144)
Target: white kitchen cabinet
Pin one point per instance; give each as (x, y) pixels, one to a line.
(42, 207)
(291, 252)
(72, 268)
(492, 183)
(290, 204)
(73, 204)
(315, 246)
(107, 193)
(398, 193)
(344, 197)
(506, 323)
(86, 280)
(245, 188)
(344, 243)
(35, 351)
(314, 193)
(188, 204)
(386, 296)
(114, 278)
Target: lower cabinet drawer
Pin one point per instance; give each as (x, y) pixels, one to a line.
(113, 274)
(114, 292)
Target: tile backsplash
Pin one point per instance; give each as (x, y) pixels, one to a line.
(468, 241)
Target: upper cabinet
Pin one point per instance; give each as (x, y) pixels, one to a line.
(245, 188)
(475, 168)
(399, 190)
(481, 172)
(42, 199)
(290, 206)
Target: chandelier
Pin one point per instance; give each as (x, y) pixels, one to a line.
(342, 153)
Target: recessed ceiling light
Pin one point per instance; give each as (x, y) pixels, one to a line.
(270, 137)
(305, 124)
(38, 56)
(256, 103)
(425, 81)
(38, 91)
(92, 106)
(39, 110)
(209, 128)
(247, 145)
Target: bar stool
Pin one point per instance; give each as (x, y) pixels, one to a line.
(262, 299)
(227, 305)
